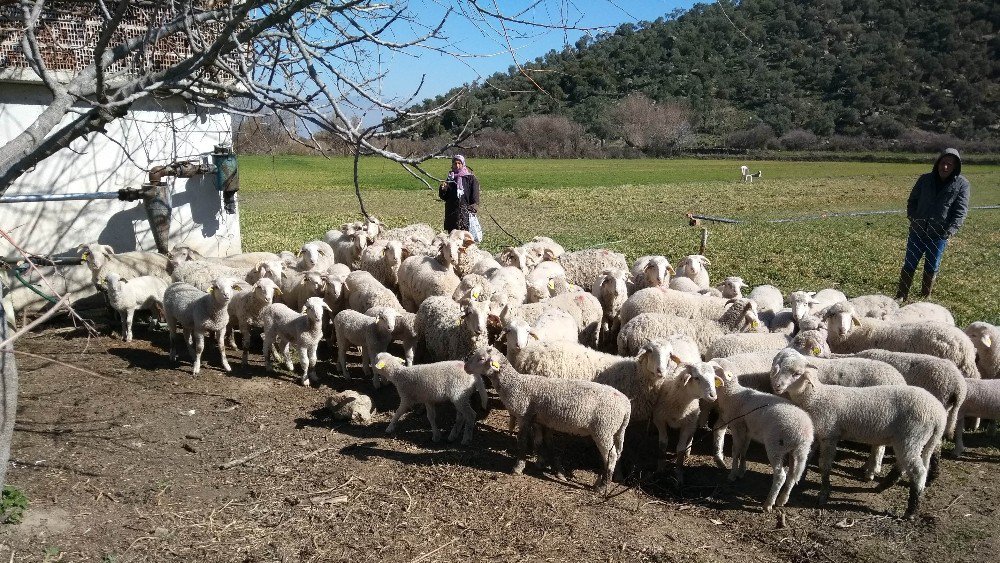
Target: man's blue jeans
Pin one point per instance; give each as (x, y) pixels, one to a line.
(920, 245)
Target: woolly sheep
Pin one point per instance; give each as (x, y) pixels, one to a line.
(102, 260)
(479, 262)
(431, 384)
(982, 400)
(553, 325)
(311, 284)
(848, 333)
(475, 286)
(739, 315)
(922, 311)
(874, 306)
(198, 312)
(514, 256)
(539, 280)
(687, 285)
(805, 303)
(767, 298)
(611, 289)
(732, 287)
(363, 292)
(421, 231)
(245, 309)
(539, 247)
(580, 408)
(986, 339)
(447, 330)
(509, 285)
(677, 406)
(348, 249)
(283, 327)
(270, 269)
(126, 296)
(908, 418)
(650, 271)
(938, 376)
(785, 430)
(372, 334)
(780, 321)
(741, 343)
(584, 266)
(317, 255)
(202, 274)
(673, 302)
(382, 260)
(350, 406)
(421, 277)
(695, 268)
(184, 253)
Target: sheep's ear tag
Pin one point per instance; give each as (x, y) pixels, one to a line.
(476, 294)
(458, 322)
(211, 290)
(380, 365)
(815, 351)
(495, 364)
(754, 325)
(85, 255)
(552, 284)
(987, 341)
(718, 381)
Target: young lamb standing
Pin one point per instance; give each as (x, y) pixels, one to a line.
(143, 292)
(581, 408)
(372, 334)
(285, 327)
(198, 312)
(431, 384)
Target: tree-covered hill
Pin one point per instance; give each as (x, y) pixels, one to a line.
(876, 68)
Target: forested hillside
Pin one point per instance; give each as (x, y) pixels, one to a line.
(880, 69)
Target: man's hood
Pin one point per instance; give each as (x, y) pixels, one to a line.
(958, 157)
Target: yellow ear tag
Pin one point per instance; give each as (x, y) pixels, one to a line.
(495, 364)
(458, 322)
(85, 255)
(475, 294)
(380, 365)
(718, 381)
(816, 351)
(552, 284)
(754, 324)
(211, 290)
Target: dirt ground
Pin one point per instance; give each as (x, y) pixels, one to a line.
(122, 454)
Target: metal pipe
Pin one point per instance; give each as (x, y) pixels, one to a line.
(34, 198)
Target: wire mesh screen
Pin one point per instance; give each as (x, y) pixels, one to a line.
(68, 31)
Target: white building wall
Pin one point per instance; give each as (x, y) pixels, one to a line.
(155, 132)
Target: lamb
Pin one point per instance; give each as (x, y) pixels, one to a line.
(202, 274)
(477, 261)
(741, 343)
(350, 406)
(317, 255)
(516, 257)
(805, 303)
(784, 429)
(372, 334)
(580, 408)
(731, 287)
(739, 315)
(922, 311)
(553, 325)
(673, 302)
(650, 271)
(447, 330)
(694, 267)
(284, 327)
(431, 384)
(540, 280)
(421, 231)
(126, 296)
(908, 418)
(184, 253)
(348, 249)
(509, 285)
(874, 306)
(345, 232)
(986, 339)
(767, 298)
(245, 309)
(382, 260)
(848, 333)
(611, 290)
(981, 401)
(676, 405)
(584, 266)
(539, 247)
(363, 292)
(198, 312)
(421, 277)
(687, 285)
(311, 284)
(938, 376)
(270, 269)
(102, 260)
(475, 286)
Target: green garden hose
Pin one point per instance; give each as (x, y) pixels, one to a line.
(25, 283)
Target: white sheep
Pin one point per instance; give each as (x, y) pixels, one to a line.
(805, 303)
(695, 268)
(875, 306)
(350, 406)
(731, 287)
(102, 260)
(986, 338)
(347, 250)
(785, 430)
(382, 260)
(447, 330)
(740, 315)
(128, 296)
(198, 312)
(580, 408)
(676, 405)
(552, 325)
(539, 280)
(514, 256)
(509, 285)
(584, 266)
(922, 311)
(372, 334)
(611, 289)
(982, 400)
(673, 302)
(245, 308)
(744, 342)
(420, 231)
(362, 292)
(284, 327)
(650, 271)
(202, 274)
(431, 384)
(317, 255)
(848, 334)
(421, 277)
(908, 418)
(183, 253)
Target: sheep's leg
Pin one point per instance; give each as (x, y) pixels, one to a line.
(739, 451)
(797, 466)
(556, 460)
(408, 352)
(608, 458)
(663, 441)
(171, 329)
(222, 350)
(190, 343)
(684, 449)
(777, 480)
(404, 406)
(468, 422)
(527, 423)
(199, 347)
(304, 360)
(827, 451)
(127, 325)
(285, 351)
(268, 350)
(959, 448)
(245, 342)
(916, 470)
(718, 445)
(366, 367)
(874, 464)
(313, 360)
(432, 418)
(342, 355)
(231, 335)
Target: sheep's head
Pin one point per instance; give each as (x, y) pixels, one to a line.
(486, 360)
(392, 254)
(811, 343)
(658, 271)
(801, 303)
(113, 282)
(359, 241)
(96, 255)
(732, 287)
(983, 335)
(517, 333)
(692, 265)
(475, 315)
(222, 289)
(514, 256)
(703, 375)
(741, 314)
(841, 319)
(372, 228)
(314, 282)
(790, 372)
(310, 254)
(657, 357)
(265, 289)
(386, 363)
(386, 319)
(270, 269)
(448, 250)
(334, 289)
(314, 308)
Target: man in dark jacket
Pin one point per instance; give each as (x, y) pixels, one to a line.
(460, 193)
(936, 209)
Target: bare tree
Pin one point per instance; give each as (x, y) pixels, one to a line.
(654, 128)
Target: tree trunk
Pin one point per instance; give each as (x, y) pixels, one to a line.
(8, 395)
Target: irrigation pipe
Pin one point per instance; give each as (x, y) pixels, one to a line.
(814, 217)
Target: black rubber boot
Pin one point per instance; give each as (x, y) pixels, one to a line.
(927, 284)
(905, 281)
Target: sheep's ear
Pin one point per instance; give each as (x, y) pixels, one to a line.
(642, 352)
(671, 270)
(548, 254)
(815, 351)
(237, 287)
(211, 289)
(327, 307)
(676, 359)
(812, 366)
(108, 249)
(476, 292)
(380, 364)
(277, 290)
(304, 308)
(533, 334)
(855, 320)
(987, 340)
(705, 261)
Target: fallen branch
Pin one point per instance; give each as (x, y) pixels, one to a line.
(235, 462)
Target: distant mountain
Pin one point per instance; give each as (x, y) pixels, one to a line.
(844, 67)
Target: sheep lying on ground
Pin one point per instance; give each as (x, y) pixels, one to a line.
(127, 296)
(372, 334)
(784, 429)
(351, 406)
(245, 308)
(431, 384)
(284, 327)
(198, 312)
(848, 333)
(908, 418)
(581, 408)
(102, 260)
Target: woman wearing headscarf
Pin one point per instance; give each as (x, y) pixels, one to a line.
(460, 193)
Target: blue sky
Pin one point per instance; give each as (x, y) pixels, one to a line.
(483, 39)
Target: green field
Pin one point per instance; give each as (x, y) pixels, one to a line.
(638, 207)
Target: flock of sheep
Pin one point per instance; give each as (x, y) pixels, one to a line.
(591, 347)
